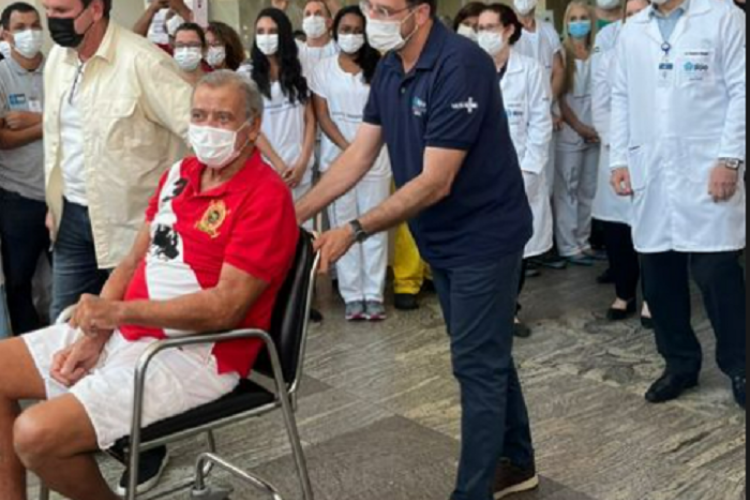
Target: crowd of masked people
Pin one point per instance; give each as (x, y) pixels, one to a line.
(84, 142)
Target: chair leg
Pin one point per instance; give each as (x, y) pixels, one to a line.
(212, 448)
(297, 451)
(202, 491)
(43, 492)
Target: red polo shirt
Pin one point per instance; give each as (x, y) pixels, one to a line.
(248, 222)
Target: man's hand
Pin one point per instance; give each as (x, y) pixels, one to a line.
(333, 245)
(621, 182)
(96, 317)
(71, 365)
(21, 120)
(723, 183)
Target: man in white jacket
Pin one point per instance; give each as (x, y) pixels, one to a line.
(678, 148)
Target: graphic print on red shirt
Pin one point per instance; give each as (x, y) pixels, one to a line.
(248, 223)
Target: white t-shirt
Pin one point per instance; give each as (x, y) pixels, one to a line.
(310, 57)
(284, 127)
(347, 97)
(73, 164)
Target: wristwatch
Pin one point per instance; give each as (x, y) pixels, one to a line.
(360, 235)
(732, 163)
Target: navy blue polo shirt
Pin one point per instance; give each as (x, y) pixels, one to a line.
(451, 100)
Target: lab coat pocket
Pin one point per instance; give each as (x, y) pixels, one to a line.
(638, 168)
(696, 67)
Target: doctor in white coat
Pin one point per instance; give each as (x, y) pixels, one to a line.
(527, 96)
(614, 211)
(679, 144)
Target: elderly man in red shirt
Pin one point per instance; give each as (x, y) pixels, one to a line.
(219, 239)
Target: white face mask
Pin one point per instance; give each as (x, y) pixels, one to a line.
(314, 27)
(268, 44)
(5, 49)
(29, 43)
(385, 36)
(174, 24)
(468, 32)
(608, 4)
(215, 147)
(188, 58)
(525, 7)
(351, 44)
(216, 56)
(491, 42)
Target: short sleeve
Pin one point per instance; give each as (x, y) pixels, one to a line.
(4, 105)
(462, 98)
(317, 81)
(264, 237)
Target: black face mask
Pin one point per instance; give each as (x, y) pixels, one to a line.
(63, 31)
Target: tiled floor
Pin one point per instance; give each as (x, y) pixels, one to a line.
(379, 416)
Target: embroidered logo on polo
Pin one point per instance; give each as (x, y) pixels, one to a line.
(469, 106)
(418, 107)
(213, 219)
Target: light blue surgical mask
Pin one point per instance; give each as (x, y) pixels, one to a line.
(580, 29)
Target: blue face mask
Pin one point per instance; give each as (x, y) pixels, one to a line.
(580, 29)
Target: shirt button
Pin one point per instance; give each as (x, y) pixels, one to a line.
(403, 90)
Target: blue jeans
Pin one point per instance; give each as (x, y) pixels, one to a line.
(4, 317)
(74, 270)
(25, 239)
(479, 304)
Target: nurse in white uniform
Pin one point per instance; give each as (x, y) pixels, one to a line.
(578, 143)
(526, 93)
(341, 88)
(289, 126)
(612, 210)
(679, 143)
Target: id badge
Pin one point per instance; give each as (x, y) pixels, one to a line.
(35, 106)
(666, 75)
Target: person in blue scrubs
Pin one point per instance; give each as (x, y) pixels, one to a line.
(436, 105)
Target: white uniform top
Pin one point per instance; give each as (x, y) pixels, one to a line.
(284, 127)
(673, 116)
(347, 96)
(579, 99)
(310, 57)
(608, 206)
(527, 95)
(542, 45)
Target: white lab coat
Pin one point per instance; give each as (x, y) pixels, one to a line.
(671, 131)
(527, 95)
(608, 206)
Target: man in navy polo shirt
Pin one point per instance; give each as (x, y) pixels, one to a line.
(436, 104)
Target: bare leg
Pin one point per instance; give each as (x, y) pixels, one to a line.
(19, 379)
(56, 440)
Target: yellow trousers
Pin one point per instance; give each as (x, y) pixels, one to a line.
(409, 270)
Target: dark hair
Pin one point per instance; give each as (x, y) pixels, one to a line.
(472, 9)
(367, 58)
(293, 84)
(432, 3)
(508, 17)
(195, 28)
(107, 6)
(21, 7)
(232, 41)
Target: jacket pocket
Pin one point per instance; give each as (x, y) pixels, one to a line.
(638, 167)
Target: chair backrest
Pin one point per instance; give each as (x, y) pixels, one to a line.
(291, 313)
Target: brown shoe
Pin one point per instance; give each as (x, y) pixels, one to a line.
(510, 479)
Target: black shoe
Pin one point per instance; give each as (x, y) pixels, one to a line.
(606, 278)
(670, 387)
(521, 331)
(316, 316)
(622, 314)
(551, 261)
(429, 287)
(648, 323)
(510, 480)
(739, 387)
(151, 467)
(406, 302)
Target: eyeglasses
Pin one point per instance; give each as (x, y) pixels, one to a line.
(379, 12)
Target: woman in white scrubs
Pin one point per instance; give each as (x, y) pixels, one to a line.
(288, 134)
(578, 143)
(615, 211)
(527, 95)
(341, 88)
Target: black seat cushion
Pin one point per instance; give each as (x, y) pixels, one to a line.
(248, 396)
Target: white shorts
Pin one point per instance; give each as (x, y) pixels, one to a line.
(177, 381)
